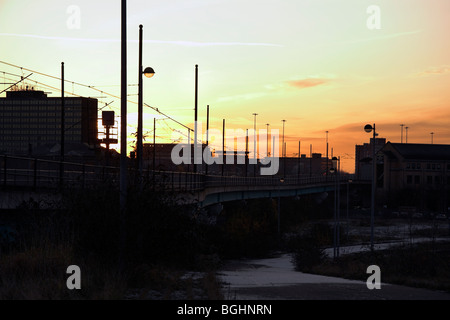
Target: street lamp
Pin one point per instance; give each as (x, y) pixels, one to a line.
(148, 72)
(283, 153)
(402, 125)
(254, 146)
(334, 170)
(406, 131)
(368, 128)
(279, 203)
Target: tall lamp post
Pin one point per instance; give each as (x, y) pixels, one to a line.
(148, 72)
(402, 125)
(254, 146)
(406, 132)
(368, 128)
(283, 153)
(123, 136)
(326, 172)
(279, 205)
(334, 170)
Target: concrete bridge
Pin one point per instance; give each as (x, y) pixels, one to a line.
(25, 179)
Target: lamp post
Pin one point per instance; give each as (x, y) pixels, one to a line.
(326, 172)
(283, 153)
(368, 128)
(148, 72)
(279, 203)
(334, 170)
(406, 132)
(254, 146)
(123, 136)
(196, 119)
(348, 203)
(268, 153)
(402, 125)
(432, 134)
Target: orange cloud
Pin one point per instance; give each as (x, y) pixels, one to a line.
(306, 83)
(435, 71)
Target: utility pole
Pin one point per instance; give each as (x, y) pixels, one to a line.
(402, 125)
(196, 118)
(63, 127)
(154, 146)
(223, 148)
(140, 147)
(123, 138)
(255, 157)
(326, 172)
(207, 136)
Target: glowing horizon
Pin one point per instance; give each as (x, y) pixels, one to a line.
(316, 64)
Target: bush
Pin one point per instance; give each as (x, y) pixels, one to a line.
(308, 247)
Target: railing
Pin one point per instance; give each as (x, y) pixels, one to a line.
(40, 174)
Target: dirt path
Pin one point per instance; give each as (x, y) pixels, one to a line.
(276, 279)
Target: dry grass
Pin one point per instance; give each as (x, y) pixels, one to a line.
(423, 266)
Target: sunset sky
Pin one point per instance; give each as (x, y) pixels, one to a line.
(314, 63)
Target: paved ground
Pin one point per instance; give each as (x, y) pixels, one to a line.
(276, 279)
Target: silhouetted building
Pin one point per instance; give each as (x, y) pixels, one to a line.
(31, 121)
(363, 158)
(416, 166)
(159, 157)
(315, 165)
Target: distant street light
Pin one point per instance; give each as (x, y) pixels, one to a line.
(432, 134)
(148, 72)
(406, 131)
(368, 128)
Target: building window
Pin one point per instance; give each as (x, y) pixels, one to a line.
(418, 166)
(417, 179)
(428, 166)
(408, 165)
(429, 179)
(437, 179)
(433, 166)
(413, 166)
(438, 166)
(409, 179)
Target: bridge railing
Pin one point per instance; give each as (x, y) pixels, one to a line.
(227, 181)
(40, 173)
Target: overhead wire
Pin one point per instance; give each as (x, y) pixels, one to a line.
(95, 88)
